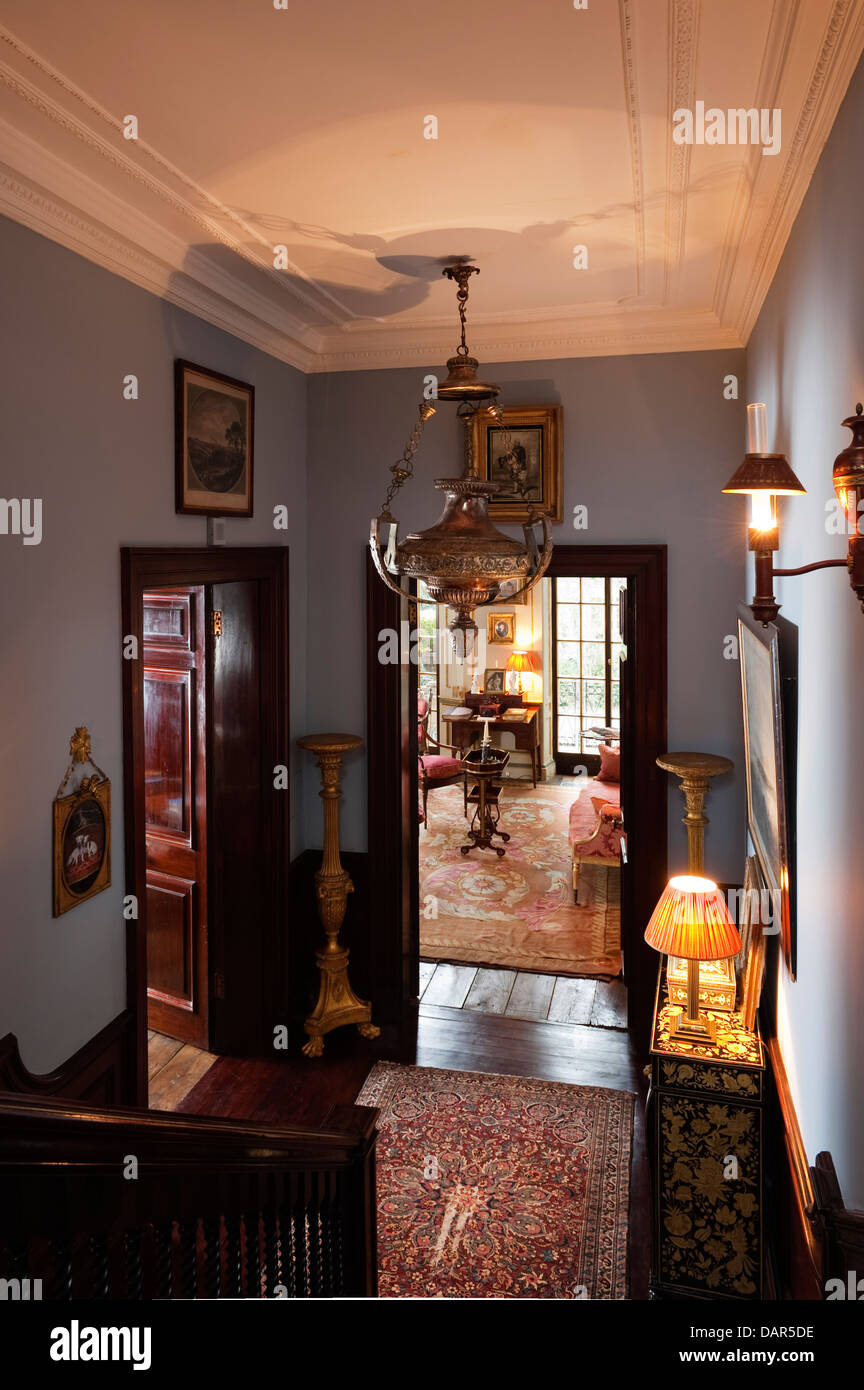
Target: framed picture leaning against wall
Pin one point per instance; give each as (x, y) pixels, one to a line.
(765, 755)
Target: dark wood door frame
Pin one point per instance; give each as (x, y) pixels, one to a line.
(143, 569)
(392, 784)
(644, 788)
(394, 927)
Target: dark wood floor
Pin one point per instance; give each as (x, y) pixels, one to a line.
(294, 1090)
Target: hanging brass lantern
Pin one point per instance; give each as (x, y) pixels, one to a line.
(463, 559)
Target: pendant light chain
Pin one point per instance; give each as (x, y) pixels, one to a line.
(403, 468)
(463, 559)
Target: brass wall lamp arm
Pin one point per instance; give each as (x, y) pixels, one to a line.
(805, 569)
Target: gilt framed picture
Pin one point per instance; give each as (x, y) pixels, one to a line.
(535, 438)
(750, 961)
(765, 764)
(82, 829)
(501, 627)
(214, 437)
(508, 591)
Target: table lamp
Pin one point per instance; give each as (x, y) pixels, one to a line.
(692, 920)
(520, 661)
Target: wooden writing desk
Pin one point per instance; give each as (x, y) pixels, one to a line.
(525, 731)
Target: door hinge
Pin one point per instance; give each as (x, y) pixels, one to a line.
(217, 622)
(218, 984)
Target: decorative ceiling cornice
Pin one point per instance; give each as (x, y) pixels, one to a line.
(626, 9)
(213, 225)
(126, 207)
(832, 71)
(683, 42)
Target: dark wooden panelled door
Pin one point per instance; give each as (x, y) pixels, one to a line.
(175, 799)
(241, 793)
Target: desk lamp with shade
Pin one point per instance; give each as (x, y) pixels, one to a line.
(692, 921)
(521, 661)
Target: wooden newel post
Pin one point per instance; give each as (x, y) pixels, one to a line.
(337, 1003)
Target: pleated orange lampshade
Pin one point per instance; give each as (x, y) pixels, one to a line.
(692, 921)
(522, 661)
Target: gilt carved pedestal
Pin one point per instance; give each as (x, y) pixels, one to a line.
(337, 1003)
(695, 771)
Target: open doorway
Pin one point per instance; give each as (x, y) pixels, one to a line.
(396, 735)
(205, 737)
(520, 870)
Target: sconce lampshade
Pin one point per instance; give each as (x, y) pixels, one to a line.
(765, 473)
(692, 921)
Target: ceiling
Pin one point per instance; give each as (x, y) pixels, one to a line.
(303, 128)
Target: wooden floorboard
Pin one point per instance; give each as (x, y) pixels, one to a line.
(524, 994)
(295, 1090)
(490, 991)
(610, 1005)
(177, 1078)
(530, 997)
(160, 1051)
(466, 1041)
(572, 1001)
(450, 985)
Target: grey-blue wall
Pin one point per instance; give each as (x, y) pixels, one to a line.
(805, 360)
(104, 469)
(649, 442)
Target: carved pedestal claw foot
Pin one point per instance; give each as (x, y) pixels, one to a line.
(368, 1030)
(314, 1047)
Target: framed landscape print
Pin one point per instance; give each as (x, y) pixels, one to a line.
(214, 428)
(764, 758)
(501, 628)
(535, 438)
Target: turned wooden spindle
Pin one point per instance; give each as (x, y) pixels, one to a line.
(337, 1003)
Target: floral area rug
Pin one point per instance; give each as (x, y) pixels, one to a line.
(517, 911)
(499, 1186)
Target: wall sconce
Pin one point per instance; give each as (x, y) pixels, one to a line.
(765, 477)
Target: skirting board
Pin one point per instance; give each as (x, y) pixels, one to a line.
(815, 1236)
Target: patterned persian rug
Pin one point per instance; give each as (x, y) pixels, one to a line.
(517, 911)
(499, 1186)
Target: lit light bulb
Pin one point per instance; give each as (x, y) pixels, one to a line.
(762, 516)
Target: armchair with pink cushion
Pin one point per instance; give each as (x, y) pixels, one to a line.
(603, 844)
(436, 769)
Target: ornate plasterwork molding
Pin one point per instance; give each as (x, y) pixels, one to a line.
(634, 129)
(781, 34)
(214, 225)
(140, 235)
(832, 71)
(693, 333)
(683, 44)
(34, 208)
